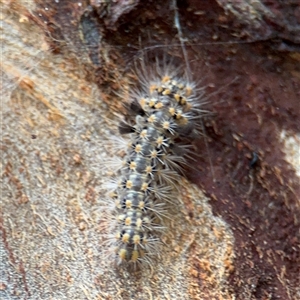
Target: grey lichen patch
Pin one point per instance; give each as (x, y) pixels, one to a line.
(291, 149)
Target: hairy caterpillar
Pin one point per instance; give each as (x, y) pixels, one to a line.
(164, 115)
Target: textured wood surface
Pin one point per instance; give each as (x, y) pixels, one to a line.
(65, 69)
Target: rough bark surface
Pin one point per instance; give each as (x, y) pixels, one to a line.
(65, 66)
